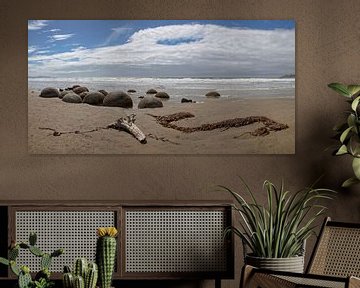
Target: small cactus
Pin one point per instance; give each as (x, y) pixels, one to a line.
(32, 238)
(91, 276)
(90, 272)
(80, 268)
(106, 254)
(24, 278)
(68, 280)
(79, 282)
(45, 261)
(36, 251)
(13, 253)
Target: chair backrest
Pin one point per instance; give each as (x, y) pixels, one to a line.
(337, 251)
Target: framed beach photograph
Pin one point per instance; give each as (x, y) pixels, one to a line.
(161, 86)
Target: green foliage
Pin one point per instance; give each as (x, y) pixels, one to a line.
(43, 283)
(279, 229)
(42, 278)
(348, 132)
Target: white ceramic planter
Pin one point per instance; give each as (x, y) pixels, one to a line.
(291, 264)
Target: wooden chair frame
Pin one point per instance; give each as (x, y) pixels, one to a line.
(255, 277)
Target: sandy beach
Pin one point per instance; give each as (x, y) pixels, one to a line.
(46, 115)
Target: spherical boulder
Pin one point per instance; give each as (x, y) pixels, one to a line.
(63, 93)
(75, 86)
(49, 92)
(118, 99)
(185, 100)
(104, 92)
(151, 91)
(72, 98)
(79, 90)
(83, 94)
(131, 91)
(212, 94)
(162, 95)
(94, 98)
(150, 102)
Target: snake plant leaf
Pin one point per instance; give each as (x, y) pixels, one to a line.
(342, 150)
(355, 103)
(354, 90)
(345, 134)
(349, 182)
(340, 88)
(356, 167)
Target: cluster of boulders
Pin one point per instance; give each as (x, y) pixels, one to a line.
(81, 94)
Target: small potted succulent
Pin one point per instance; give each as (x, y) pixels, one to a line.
(348, 132)
(275, 233)
(42, 278)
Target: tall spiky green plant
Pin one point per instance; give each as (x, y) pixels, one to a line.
(279, 229)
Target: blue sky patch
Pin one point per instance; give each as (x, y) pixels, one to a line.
(178, 41)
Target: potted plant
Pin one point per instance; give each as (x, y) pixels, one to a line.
(348, 132)
(276, 233)
(42, 278)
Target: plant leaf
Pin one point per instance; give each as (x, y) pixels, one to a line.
(353, 90)
(355, 103)
(349, 182)
(356, 167)
(345, 134)
(4, 261)
(342, 150)
(340, 88)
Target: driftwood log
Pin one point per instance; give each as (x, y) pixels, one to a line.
(128, 124)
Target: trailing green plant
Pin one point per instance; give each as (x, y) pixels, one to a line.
(42, 278)
(84, 275)
(348, 132)
(279, 229)
(106, 254)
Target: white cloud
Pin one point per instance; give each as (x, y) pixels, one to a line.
(60, 37)
(37, 24)
(31, 49)
(211, 51)
(116, 32)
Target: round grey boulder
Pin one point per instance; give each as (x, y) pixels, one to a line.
(79, 90)
(118, 99)
(212, 94)
(94, 98)
(162, 95)
(72, 98)
(150, 102)
(49, 92)
(83, 94)
(63, 93)
(104, 92)
(151, 91)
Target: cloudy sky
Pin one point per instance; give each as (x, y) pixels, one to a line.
(161, 48)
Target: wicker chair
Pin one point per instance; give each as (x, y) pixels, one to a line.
(334, 263)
